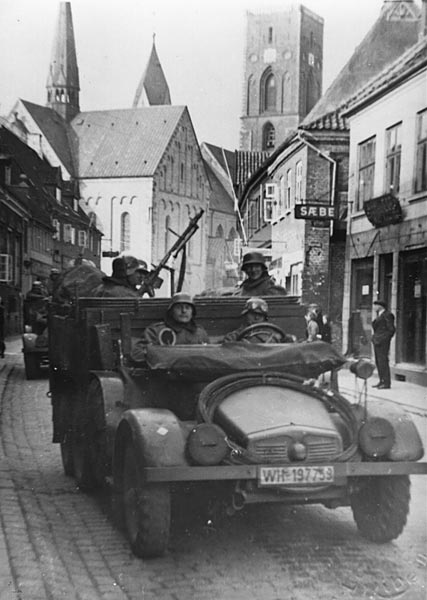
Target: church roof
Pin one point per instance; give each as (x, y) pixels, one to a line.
(153, 86)
(124, 143)
(388, 38)
(225, 158)
(57, 131)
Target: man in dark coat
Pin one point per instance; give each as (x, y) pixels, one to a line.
(179, 325)
(258, 282)
(384, 330)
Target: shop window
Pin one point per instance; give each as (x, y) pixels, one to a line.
(421, 173)
(393, 153)
(366, 172)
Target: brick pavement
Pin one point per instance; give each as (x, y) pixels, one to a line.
(62, 544)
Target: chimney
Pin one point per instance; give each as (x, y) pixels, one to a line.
(423, 21)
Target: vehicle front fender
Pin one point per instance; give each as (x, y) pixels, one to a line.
(407, 443)
(157, 436)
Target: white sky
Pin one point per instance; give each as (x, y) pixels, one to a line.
(200, 45)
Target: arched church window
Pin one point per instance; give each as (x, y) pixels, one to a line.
(219, 232)
(270, 35)
(232, 234)
(268, 91)
(124, 231)
(268, 137)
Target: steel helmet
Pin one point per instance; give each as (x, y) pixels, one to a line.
(257, 305)
(132, 264)
(182, 298)
(253, 258)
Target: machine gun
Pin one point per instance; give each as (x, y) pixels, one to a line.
(152, 280)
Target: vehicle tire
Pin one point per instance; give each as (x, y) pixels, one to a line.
(67, 455)
(380, 506)
(32, 366)
(146, 510)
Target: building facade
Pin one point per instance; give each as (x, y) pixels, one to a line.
(282, 75)
(387, 228)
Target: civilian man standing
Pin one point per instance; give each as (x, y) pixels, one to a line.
(384, 330)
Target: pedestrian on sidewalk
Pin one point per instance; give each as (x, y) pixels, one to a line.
(384, 330)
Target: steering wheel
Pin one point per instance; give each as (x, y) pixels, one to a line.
(262, 332)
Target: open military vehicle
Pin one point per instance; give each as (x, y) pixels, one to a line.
(244, 421)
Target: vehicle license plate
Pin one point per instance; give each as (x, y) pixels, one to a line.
(276, 476)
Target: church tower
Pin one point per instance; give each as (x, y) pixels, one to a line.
(153, 88)
(282, 75)
(63, 80)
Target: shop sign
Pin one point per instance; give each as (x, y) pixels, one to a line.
(318, 212)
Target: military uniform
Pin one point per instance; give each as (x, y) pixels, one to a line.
(113, 287)
(263, 285)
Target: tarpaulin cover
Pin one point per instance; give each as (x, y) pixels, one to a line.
(202, 363)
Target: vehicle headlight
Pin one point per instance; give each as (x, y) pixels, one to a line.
(376, 437)
(206, 444)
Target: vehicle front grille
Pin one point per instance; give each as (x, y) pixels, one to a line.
(319, 448)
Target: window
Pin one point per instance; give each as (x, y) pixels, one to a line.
(67, 233)
(57, 234)
(58, 195)
(219, 232)
(92, 219)
(268, 137)
(288, 199)
(282, 195)
(298, 182)
(253, 214)
(269, 202)
(75, 205)
(366, 172)
(8, 175)
(311, 59)
(124, 231)
(268, 91)
(270, 35)
(296, 279)
(421, 174)
(182, 172)
(5, 267)
(83, 238)
(393, 151)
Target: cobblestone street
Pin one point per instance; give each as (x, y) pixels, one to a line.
(56, 542)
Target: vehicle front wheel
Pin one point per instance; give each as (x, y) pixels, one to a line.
(380, 506)
(32, 366)
(146, 510)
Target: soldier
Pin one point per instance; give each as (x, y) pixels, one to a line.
(178, 327)
(256, 311)
(128, 272)
(258, 282)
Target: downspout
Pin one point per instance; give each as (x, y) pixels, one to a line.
(333, 187)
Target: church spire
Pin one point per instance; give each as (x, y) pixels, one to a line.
(63, 79)
(153, 88)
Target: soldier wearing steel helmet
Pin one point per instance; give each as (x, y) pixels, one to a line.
(255, 311)
(258, 282)
(128, 272)
(179, 325)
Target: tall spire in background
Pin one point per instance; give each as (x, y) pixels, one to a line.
(153, 88)
(63, 80)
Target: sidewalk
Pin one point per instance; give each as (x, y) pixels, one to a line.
(410, 395)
